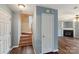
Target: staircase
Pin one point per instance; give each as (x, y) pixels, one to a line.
(26, 39)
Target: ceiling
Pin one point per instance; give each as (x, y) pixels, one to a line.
(65, 11)
(15, 8)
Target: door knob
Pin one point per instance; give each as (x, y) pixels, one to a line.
(43, 36)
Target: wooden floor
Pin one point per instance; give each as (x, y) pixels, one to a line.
(68, 45)
(23, 50)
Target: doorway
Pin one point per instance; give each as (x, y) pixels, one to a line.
(26, 32)
(25, 44)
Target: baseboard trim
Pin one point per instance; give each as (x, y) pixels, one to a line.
(56, 50)
(15, 47)
(11, 49)
(52, 52)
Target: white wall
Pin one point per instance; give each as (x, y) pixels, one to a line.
(34, 29)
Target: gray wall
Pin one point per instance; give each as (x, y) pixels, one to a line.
(55, 29)
(16, 30)
(37, 40)
(59, 28)
(77, 29)
(68, 24)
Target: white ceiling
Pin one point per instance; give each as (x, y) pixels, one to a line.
(15, 8)
(65, 11)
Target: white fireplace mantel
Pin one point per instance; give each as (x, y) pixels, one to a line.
(72, 27)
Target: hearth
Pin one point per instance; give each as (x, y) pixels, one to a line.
(68, 33)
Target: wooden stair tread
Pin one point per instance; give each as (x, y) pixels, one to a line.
(26, 33)
(25, 39)
(24, 44)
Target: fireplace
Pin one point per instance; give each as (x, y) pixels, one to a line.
(68, 33)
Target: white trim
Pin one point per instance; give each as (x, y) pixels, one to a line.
(56, 50)
(11, 49)
(74, 27)
(14, 47)
(34, 30)
(33, 44)
(68, 28)
(4, 12)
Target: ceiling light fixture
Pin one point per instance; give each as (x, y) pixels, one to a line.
(75, 7)
(21, 6)
(76, 18)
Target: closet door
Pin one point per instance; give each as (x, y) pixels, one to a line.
(1, 47)
(1, 37)
(5, 29)
(47, 32)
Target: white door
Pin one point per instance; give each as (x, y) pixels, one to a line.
(5, 29)
(47, 32)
